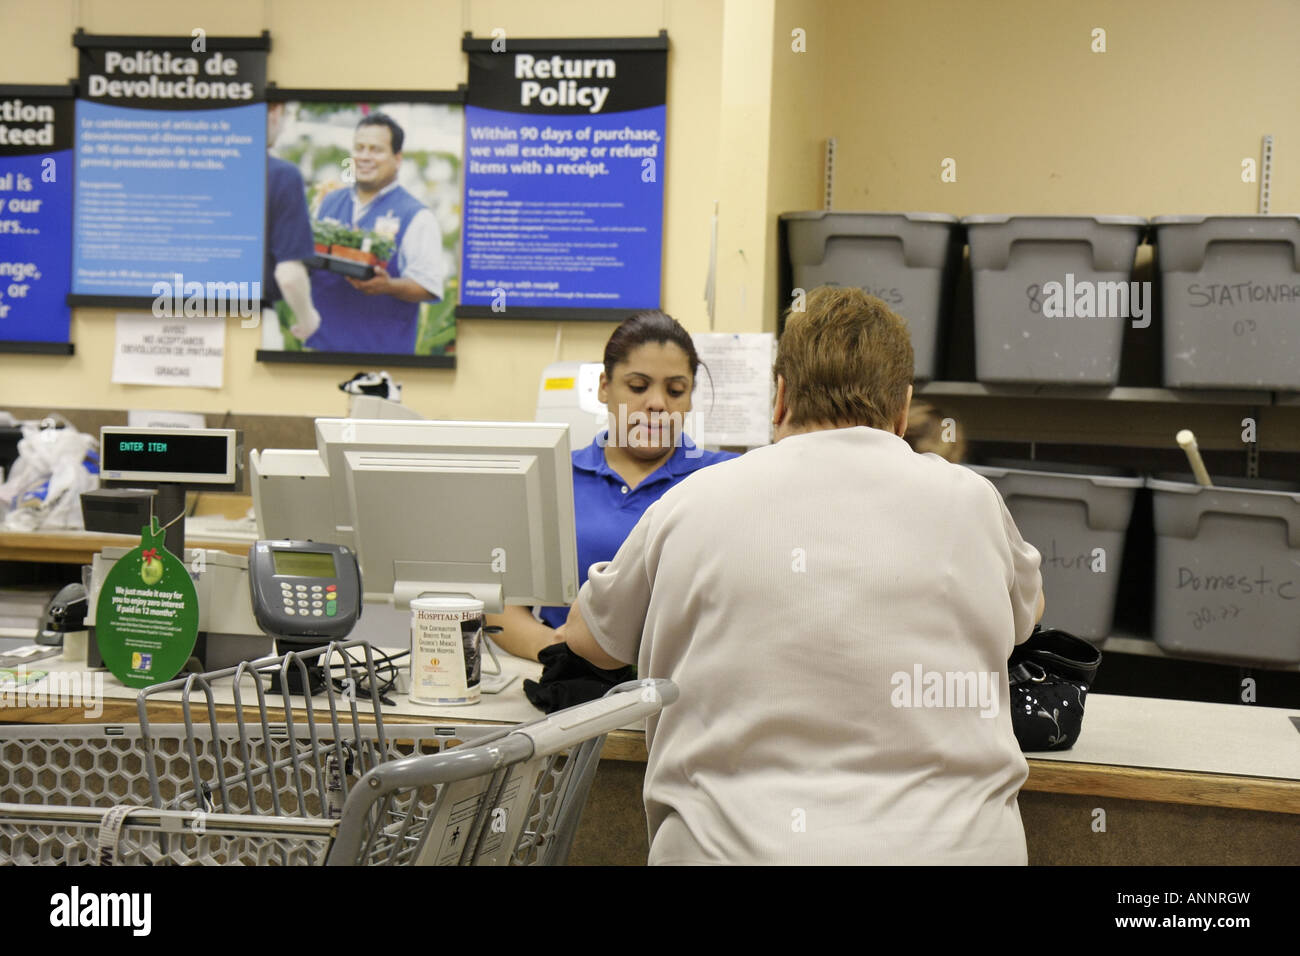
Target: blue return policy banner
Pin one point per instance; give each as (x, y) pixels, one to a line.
(564, 192)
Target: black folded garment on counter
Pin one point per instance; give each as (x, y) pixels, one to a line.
(568, 679)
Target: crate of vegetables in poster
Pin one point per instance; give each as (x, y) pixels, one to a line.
(347, 251)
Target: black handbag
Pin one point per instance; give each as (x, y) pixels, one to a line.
(1049, 676)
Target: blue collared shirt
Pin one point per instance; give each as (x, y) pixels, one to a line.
(606, 509)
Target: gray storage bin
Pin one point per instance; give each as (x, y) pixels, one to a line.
(1231, 300)
(1228, 569)
(903, 259)
(1068, 512)
(1012, 259)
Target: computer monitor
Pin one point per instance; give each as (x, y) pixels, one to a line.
(478, 508)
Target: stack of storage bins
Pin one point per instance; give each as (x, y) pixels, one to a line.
(1076, 516)
(1228, 569)
(1013, 258)
(905, 259)
(1231, 294)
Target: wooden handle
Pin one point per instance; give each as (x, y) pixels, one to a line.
(1187, 442)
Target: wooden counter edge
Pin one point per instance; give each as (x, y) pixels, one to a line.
(1265, 794)
(55, 547)
(626, 745)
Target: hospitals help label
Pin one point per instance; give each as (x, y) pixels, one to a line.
(445, 647)
(147, 618)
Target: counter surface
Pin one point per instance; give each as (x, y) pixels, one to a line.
(1243, 757)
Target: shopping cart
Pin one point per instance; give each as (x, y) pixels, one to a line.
(345, 790)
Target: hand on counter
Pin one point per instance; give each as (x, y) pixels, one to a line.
(521, 634)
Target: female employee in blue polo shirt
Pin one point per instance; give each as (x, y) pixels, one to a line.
(650, 366)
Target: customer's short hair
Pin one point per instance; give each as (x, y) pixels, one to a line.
(846, 360)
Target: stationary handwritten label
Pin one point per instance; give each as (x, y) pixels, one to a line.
(1202, 296)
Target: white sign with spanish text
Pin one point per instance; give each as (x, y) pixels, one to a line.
(154, 351)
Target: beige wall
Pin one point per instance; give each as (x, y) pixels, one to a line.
(1008, 88)
(1157, 125)
(802, 106)
(743, 135)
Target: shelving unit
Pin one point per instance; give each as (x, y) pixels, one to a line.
(1135, 427)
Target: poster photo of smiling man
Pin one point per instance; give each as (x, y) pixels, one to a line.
(382, 181)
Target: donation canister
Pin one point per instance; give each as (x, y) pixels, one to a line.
(446, 649)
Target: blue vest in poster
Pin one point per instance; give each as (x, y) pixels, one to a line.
(352, 321)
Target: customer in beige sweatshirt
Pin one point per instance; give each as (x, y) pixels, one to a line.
(838, 612)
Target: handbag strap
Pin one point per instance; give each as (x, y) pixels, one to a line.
(1025, 672)
(1059, 654)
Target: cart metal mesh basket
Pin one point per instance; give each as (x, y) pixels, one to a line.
(77, 836)
(349, 789)
(102, 765)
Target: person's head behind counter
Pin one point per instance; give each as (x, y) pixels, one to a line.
(650, 365)
(930, 430)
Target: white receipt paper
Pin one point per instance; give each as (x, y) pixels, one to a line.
(158, 351)
(737, 411)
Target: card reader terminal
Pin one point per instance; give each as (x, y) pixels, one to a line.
(304, 589)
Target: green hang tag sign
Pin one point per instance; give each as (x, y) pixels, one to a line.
(147, 618)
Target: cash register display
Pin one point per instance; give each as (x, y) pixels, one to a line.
(308, 564)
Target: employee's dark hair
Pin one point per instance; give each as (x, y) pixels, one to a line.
(846, 360)
(639, 328)
(383, 119)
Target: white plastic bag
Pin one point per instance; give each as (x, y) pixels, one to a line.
(43, 490)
